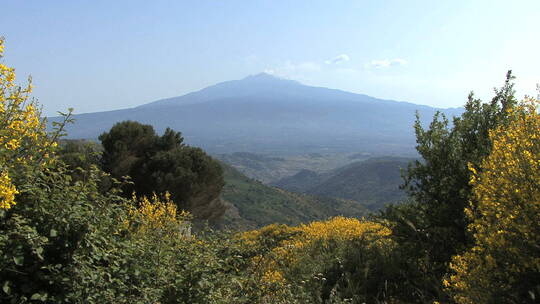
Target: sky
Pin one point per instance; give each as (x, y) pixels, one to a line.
(105, 55)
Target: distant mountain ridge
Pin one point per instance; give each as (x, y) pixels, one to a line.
(373, 183)
(262, 113)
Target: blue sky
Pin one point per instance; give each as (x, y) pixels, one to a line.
(104, 55)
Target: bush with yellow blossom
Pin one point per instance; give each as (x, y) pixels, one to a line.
(316, 259)
(63, 240)
(503, 266)
(23, 139)
(157, 215)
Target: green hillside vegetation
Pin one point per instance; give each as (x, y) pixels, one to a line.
(302, 181)
(246, 203)
(253, 204)
(468, 234)
(373, 183)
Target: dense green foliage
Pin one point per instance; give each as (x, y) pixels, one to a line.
(64, 238)
(441, 181)
(504, 263)
(66, 243)
(433, 227)
(164, 163)
(80, 156)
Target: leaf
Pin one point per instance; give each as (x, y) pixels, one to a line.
(53, 233)
(6, 287)
(39, 252)
(39, 297)
(18, 260)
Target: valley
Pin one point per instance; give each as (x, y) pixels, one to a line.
(292, 189)
(252, 204)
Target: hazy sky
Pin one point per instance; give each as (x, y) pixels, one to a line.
(103, 55)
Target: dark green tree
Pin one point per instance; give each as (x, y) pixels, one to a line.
(433, 227)
(126, 147)
(164, 163)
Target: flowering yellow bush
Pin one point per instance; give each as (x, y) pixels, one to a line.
(23, 139)
(275, 232)
(293, 242)
(156, 214)
(503, 265)
(342, 228)
(7, 191)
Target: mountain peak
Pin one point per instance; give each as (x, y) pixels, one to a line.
(264, 77)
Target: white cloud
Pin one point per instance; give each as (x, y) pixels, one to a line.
(299, 70)
(291, 70)
(338, 59)
(386, 63)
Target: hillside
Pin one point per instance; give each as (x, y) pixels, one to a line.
(253, 204)
(374, 182)
(265, 114)
(270, 168)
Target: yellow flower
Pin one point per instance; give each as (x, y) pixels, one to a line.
(297, 239)
(504, 213)
(7, 191)
(156, 214)
(24, 142)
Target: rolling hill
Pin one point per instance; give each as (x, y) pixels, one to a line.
(373, 182)
(265, 114)
(253, 204)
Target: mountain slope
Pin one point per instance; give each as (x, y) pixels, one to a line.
(373, 183)
(253, 204)
(263, 113)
